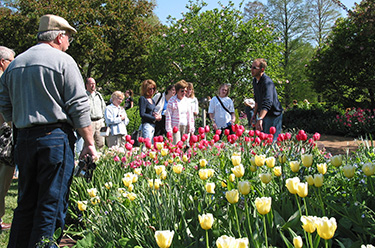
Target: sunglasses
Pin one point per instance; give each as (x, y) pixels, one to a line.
(151, 88)
(255, 67)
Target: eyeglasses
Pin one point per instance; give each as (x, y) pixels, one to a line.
(182, 91)
(70, 39)
(255, 67)
(151, 88)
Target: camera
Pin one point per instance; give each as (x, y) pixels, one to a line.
(85, 168)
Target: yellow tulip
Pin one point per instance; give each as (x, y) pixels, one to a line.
(82, 205)
(253, 168)
(318, 180)
(326, 227)
(159, 145)
(265, 177)
(336, 160)
(138, 171)
(236, 160)
(238, 170)
(203, 174)
(307, 159)
(108, 185)
(242, 243)
(210, 172)
(349, 171)
(260, 160)
(263, 205)
(177, 159)
(170, 160)
(152, 155)
(131, 187)
(252, 161)
(223, 184)
(155, 184)
(277, 171)
(302, 189)
(244, 187)
(297, 242)
(202, 162)
(151, 183)
(322, 168)
(292, 184)
(164, 238)
(232, 177)
(308, 223)
(121, 190)
(232, 196)
(368, 169)
(226, 242)
(177, 168)
(164, 152)
(294, 166)
(206, 221)
(310, 180)
(159, 169)
(282, 158)
(92, 192)
(270, 162)
(127, 181)
(185, 158)
(163, 175)
(131, 196)
(210, 188)
(95, 200)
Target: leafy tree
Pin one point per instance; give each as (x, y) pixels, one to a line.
(112, 39)
(213, 47)
(343, 70)
(253, 9)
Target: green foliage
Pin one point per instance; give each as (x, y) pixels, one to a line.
(134, 119)
(213, 47)
(343, 70)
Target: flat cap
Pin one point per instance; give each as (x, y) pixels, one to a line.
(53, 22)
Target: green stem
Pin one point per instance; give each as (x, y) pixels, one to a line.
(265, 230)
(248, 221)
(321, 202)
(310, 240)
(238, 224)
(207, 241)
(326, 243)
(304, 202)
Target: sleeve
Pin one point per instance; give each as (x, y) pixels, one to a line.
(126, 120)
(111, 117)
(168, 117)
(5, 103)
(231, 106)
(268, 95)
(211, 108)
(196, 105)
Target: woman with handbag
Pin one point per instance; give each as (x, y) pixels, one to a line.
(161, 102)
(116, 119)
(221, 109)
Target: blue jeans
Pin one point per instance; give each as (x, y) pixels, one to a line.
(273, 121)
(45, 159)
(148, 130)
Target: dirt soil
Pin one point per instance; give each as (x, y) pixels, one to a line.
(338, 144)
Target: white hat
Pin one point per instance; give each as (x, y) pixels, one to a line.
(53, 22)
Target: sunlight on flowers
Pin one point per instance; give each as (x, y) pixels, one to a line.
(238, 170)
(263, 205)
(308, 223)
(226, 242)
(164, 152)
(232, 196)
(206, 221)
(277, 171)
(177, 168)
(326, 227)
(297, 242)
(336, 160)
(292, 184)
(236, 160)
(322, 168)
(260, 160)
(265, 177)
(138, 171)
(203, 162)
(232, 177)
(82, 205)
(303, 189)
(152, 155)
(294, 166)
(307, 160)
(349, 171)
(270, 162)
(159, 169)
(210, 188)
(318, 180)
(164, 238)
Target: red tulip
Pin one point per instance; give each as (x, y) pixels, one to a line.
(141, 139)
(175, 129)
(257, 132)
(184, 137)
(128, 138)
(207, 129)
(131, 142)
(202, 136)
(218, 131)
(257, 140)
(251, 133)
(128, 146)
(216, 138)
(316, 136)
(234, 128)
(226, 132)
(272, 130)
(193, 138)
(288, 136)
(200, 130)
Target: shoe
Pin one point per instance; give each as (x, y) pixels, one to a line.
(5, 226)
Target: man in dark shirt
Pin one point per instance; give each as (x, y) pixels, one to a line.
(267, 105)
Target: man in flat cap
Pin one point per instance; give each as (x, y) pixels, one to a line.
(42, 92)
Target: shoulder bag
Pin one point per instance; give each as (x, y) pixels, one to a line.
(6, 145)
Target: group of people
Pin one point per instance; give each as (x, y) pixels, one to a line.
(42, 95)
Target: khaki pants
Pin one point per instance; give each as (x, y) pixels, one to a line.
(116, 140)
(6, 175)
(181, 131)
(96, 125)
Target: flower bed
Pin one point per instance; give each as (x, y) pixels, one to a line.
(245, 191)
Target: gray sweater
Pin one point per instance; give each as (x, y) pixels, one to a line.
(43, 85)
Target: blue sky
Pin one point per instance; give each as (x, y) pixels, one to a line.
(174, 8)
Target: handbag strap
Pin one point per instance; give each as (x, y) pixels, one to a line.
(218, 98)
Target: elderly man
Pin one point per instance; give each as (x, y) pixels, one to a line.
(42, 93)
(98, 106)
(6, 171)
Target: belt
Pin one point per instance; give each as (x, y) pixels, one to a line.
(95, 119)
(52, 125)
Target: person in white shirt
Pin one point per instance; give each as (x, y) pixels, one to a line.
(116, 119)
(222, 117)
(161, 102)
(192, 99)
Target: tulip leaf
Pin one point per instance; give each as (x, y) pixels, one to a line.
(279, 221)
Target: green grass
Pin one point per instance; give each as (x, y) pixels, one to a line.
(10, 205)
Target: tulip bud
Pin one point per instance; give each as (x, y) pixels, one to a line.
(232, 196)
(294, 166)
(322, 168)
(185, 158)
(326, 227)
(297, 242)
(260, 160)
(164, 238)
(368, 169)
(336, 160)
(272, 130)
(202, 162)
(308, 223)
(302, 189)
(318, 180)
(206, 221)
(210, 188)
(349, 171)
(244, 187)
(310, 180)
(307, 159)
(232, 177)
(277, 171)
(164, 152)
(177, 168)
(263, 205)
(175, 129)
(238, 171)
(236, 160)
(270, 162)
(265, 177)
(292, 184)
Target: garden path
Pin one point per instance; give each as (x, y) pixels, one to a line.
(338, 144)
